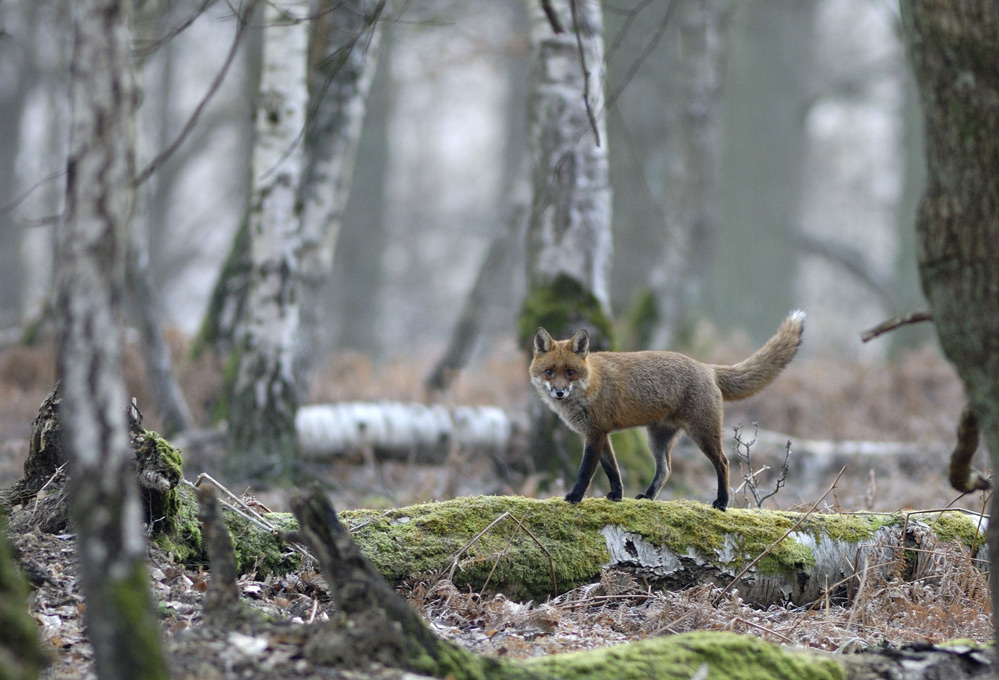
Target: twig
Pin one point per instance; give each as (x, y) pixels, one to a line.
(241, 27)
(895, 322)
(609, 598)
(586, 73)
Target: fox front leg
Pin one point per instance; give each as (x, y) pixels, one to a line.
(592, 453)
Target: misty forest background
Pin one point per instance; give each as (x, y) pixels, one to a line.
(779, 169)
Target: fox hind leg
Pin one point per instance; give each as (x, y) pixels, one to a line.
(708, 440)
(661, 438)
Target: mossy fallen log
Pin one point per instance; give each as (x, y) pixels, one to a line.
(530, 549)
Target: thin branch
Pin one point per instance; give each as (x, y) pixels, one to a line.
(552, 15)
(586, 72)
(895, 322)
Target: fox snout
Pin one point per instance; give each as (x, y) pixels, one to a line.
(559, 392)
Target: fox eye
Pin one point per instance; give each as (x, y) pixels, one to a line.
(570, 373)
(549, 372)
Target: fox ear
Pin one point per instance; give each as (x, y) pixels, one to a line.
(581, 342)
(542, 342)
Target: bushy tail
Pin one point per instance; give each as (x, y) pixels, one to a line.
(748, 377)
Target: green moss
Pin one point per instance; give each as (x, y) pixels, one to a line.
(215, 331)
(562, 307)
(726, 656)
(130, 598)
(639, 320)
(173, 514)
(261, 551)
(954, 527)
(223, 404)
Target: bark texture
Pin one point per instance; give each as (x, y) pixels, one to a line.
(954, 48)
(104, 498)
(570, 226)
(265, 392)
(569, 244)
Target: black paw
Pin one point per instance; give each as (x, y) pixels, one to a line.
(640, 497)
(720, 504)
(614, 496)
(573, 498)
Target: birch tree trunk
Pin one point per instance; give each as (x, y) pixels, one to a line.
(954, 49)
(569, 242)
(264, 392)
(104, 498)
(346, 38)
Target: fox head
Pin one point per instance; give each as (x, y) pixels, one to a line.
(559, 366)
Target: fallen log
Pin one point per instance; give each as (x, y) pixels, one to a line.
(425, 433)
(531, 549)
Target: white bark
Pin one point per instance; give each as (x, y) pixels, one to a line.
(265, 398)
(570, 230)
(427, 433)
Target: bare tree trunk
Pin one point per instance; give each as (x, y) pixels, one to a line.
(953, 47)
(18, 74)
(493, 271)
(693, 170)
(569, 233)
(170, 401)
(771, 57)
(265, 392)
(346, 39)
(104, 497)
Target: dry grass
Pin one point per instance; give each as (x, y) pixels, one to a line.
(948, 600)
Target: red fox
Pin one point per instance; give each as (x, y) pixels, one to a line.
(596, 394)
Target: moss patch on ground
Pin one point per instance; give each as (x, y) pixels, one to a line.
(725, 655)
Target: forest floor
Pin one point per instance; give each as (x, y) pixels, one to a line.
(914, 398)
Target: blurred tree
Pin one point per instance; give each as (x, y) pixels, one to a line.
(954, 47)
(18, 22)
(350, 295)
(493, 281)
(765, 102)
(694, 150)
(345, 43)
(262, 380)
(569, 230)
(104, 499)
(144, 293)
